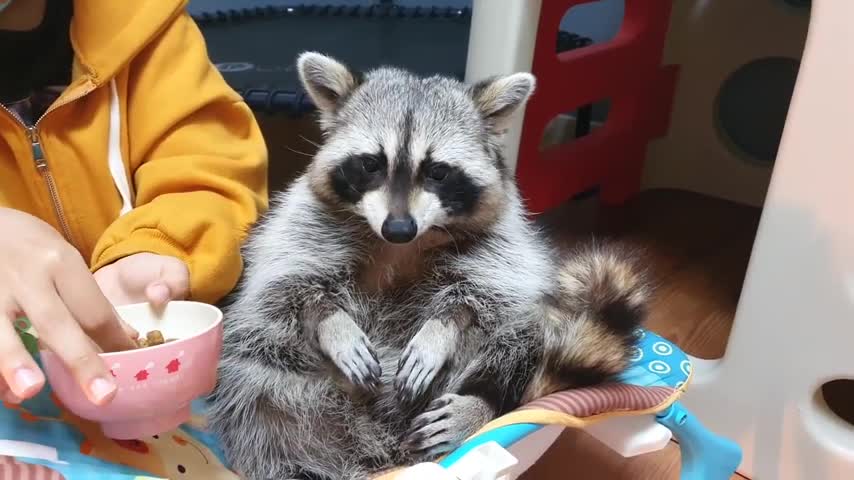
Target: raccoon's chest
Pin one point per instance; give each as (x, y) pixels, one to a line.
(396, 266)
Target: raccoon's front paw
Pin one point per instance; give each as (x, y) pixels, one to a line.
(360, 364)
(416, 371)
(445, 425)
(350, 350)
(423, 358)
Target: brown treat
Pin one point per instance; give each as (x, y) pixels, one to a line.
(152, 339)
(155, 337)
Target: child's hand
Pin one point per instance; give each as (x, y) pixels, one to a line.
(46, 279)
(144, 277)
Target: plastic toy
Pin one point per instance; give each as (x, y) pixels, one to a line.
(650, 387)
(626, 70)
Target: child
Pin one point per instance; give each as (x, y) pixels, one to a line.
(129, 171)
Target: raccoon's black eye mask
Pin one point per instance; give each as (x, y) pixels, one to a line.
(358, 175)
(456, 190)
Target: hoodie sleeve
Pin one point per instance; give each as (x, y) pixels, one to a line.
(198, 164)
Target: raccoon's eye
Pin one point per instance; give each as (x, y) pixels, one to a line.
(370, 164)
(438, 172)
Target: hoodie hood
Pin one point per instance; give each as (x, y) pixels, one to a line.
(107, 34)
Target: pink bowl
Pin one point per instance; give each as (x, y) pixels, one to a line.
(156, 384)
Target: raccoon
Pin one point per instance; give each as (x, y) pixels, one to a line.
(396, 297)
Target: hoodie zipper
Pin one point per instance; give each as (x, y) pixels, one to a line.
(44, 170)
(41, 162)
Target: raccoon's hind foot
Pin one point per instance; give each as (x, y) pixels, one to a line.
(446, 424)
(424, 357)
(350, 350)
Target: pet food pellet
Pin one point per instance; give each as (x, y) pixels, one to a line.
(151, 339)
(155, 337)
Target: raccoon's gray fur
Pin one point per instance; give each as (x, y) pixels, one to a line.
(396, 298)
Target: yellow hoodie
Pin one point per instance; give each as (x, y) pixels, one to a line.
(148, 149)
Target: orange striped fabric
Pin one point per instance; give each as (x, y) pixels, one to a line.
(586, 402)
(10, 469)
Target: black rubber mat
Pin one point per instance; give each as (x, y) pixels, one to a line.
(256, 48)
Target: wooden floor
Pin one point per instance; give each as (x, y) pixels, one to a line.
(698, 250)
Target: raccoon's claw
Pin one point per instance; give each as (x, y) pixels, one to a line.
(415, 372)
(360, 365)
(423, 358)
(445, 425)
(348, 347)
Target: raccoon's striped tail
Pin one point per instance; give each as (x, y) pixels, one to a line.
(600, 298)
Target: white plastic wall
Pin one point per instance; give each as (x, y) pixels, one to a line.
(794, 327)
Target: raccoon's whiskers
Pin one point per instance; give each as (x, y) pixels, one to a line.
(451, 236)
(309, 141)
(300, 153)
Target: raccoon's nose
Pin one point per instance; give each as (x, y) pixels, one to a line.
(399, 229)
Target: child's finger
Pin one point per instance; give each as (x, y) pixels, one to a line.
(158, 294)
(176, 277)
(83, 298)
(130, 331)
(6, 395)
(18, 370)
(60, 333)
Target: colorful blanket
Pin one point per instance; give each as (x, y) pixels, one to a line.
(58, 445)
(42, 440)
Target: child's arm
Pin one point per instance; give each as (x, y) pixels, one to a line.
(198, 163)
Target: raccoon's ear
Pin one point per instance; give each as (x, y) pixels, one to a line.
(326, 80)
(498, 98)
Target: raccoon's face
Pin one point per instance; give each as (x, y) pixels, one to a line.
(411, 154)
